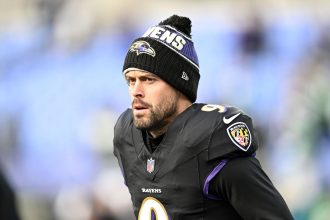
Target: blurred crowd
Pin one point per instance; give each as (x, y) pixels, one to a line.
(61, 91)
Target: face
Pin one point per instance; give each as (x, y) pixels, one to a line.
(154, 102)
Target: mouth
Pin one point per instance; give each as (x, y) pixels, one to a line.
(139, 109)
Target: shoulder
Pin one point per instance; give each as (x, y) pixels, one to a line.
(232, 131)
(123, 123)
(212, 113)
(216, 112)
(124, 119)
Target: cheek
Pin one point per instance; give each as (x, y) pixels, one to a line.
(131, 95)
(165, 99)
(159, 96)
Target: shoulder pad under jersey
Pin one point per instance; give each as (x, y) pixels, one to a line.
(121, 129)
(122, 138)
(233, 134)
(123, 122)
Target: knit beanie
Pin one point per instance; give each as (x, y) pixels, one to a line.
(167, 50)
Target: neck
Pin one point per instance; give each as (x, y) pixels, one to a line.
(158, 132)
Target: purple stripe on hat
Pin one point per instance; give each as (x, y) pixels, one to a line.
(189, 49)
(175, 40)
(214, 172)
(189, 52)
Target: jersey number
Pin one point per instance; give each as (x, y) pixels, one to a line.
(150, 205)
(210, 108)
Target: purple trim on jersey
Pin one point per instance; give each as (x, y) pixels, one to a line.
(214, 172)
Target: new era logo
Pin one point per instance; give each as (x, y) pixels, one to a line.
(185, 76)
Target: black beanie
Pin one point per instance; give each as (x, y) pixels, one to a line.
(167, 51)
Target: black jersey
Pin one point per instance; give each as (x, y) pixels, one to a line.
(182, 179)
(8, 208)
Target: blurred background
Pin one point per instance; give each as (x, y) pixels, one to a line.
(61, 91)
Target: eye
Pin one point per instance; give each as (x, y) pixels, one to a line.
(148, 79)
(130, 81)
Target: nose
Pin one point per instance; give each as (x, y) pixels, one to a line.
(136, 90)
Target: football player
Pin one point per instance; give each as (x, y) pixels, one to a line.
(183, 160)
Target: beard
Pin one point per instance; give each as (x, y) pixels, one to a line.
(157, 117)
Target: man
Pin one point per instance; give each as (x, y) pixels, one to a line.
(182, 160)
